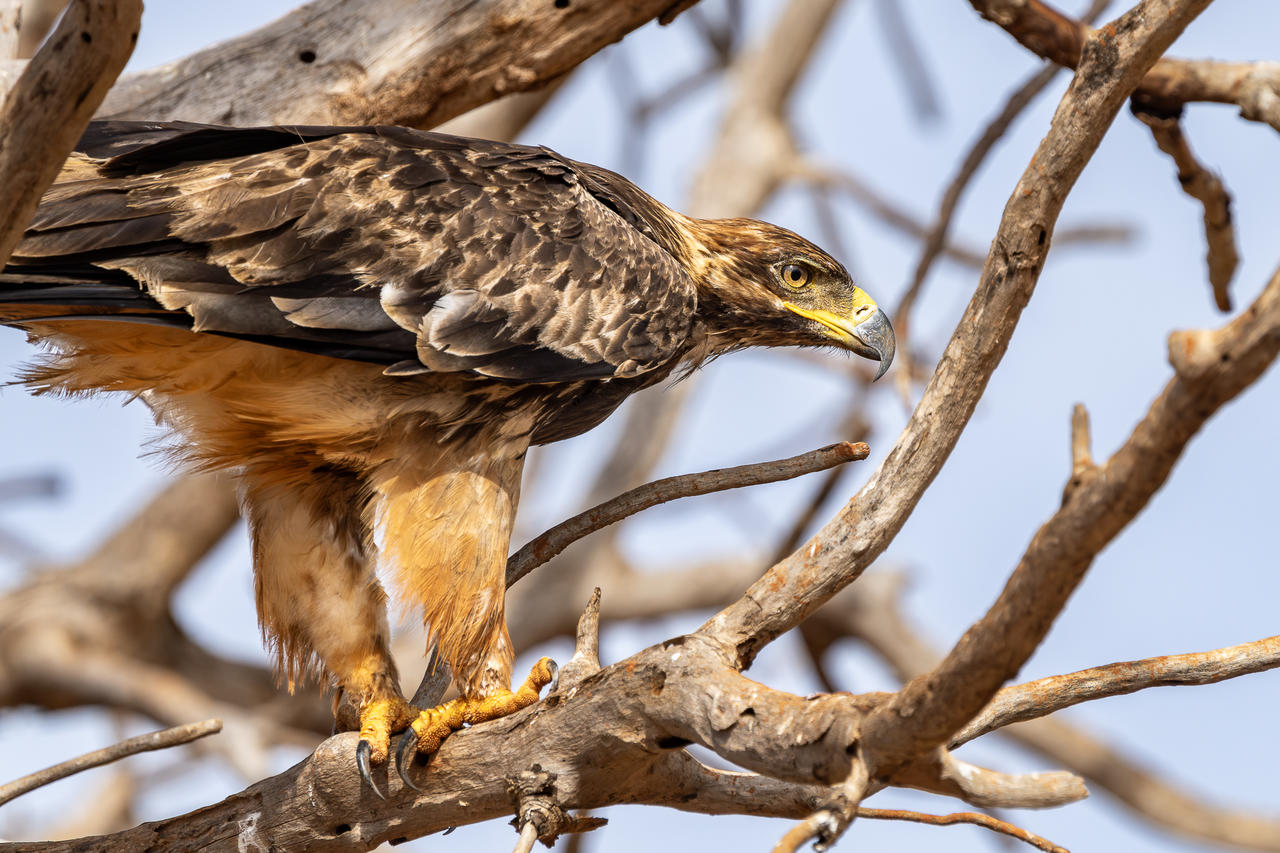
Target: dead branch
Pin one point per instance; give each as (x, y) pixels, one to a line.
(1252, 86)
(175, 736)
(754, 145)
(957, 818)
(10, 28)
(600, 739)
(935, 235)
(555, 540)
(50, 105)
(331, 62)
(871, 611)
(1049, 695)
(994, 649)
(1206, 187)
(835, 557)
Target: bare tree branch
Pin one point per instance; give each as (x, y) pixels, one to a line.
(555, 540)
(994, 649)
(1170, 83)
(48, 108)
(1049, 695)
(871, 611)
(331, 62)
(1206, 187)
(131, 746)
(849, 543)
(957, 818)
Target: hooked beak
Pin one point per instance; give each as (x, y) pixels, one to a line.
(871, 337)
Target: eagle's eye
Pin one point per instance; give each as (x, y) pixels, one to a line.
(796, 276)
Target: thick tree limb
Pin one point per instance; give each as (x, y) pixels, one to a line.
(1252, 86)
(332, 62)
(175, 736)
(552, 542)
(51, 103)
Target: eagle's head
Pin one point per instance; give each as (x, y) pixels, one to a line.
(761, 285)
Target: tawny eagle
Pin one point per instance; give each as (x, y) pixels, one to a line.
(370, 326)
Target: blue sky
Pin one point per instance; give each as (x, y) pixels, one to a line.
(1197, 570)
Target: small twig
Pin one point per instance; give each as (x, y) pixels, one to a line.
(1206, 187)
(1081, 450)
(552, 542)
(528, 835)
(1081, 440)
(955, 818)
(142, 743)
(1048, 695)
(827, 824)
(909, 59)
(887, 211)
(935, 238)
(818, 825)
(586, 652)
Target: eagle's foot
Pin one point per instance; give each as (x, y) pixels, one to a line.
(378, 719)
(426, 733)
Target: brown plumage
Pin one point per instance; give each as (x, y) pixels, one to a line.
(370, 326)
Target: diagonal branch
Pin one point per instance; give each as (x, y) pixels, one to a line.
(1206, 187)
(933, 706)
(840, 552)
(175, 736)
(1049, 695)
(542, 548)
(48, 108)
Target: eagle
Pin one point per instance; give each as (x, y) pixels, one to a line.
(369, 327)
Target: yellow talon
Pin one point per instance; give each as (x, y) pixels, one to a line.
(433, 725)
(378, 719)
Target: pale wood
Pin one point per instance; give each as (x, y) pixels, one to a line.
(408, 62)
(51, 103)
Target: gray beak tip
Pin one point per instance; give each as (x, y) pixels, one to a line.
(876, 334)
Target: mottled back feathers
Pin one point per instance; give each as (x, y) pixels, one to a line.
(420, 251)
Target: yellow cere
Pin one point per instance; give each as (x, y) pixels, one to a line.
(861, 306)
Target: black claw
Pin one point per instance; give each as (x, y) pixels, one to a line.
(555, 673)
(405, 751)
(363, 750)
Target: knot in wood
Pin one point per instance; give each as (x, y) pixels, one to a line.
(533, 793)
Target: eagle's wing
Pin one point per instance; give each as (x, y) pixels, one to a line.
(418, 250)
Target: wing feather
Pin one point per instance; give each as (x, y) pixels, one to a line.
(454, 254)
